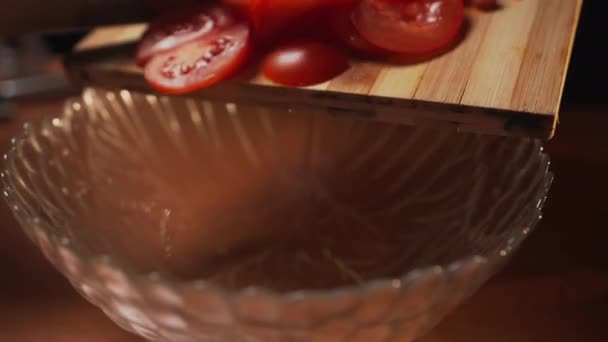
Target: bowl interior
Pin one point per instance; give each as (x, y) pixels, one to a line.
(280, 198)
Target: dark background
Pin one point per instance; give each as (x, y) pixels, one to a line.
(586, 82)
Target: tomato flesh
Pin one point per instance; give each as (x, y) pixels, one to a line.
(181, 26)
(409, 26)
(200, 63)
(303, 64)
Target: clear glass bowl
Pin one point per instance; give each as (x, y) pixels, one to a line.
(194, 220)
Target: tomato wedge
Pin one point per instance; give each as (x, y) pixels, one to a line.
(201, 62)
(181, 26)
(409, 26)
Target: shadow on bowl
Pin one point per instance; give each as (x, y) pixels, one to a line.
(188, 220)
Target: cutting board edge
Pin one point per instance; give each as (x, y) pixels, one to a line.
(464, 118)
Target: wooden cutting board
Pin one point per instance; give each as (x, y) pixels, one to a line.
(505, 77)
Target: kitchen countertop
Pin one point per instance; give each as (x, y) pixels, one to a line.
(555, 289)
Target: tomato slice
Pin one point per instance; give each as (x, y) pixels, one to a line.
(200, 63)
(304, 63)
(409, 26)
(273, 18)
(181, 26)
(343, 30)
(482, 4)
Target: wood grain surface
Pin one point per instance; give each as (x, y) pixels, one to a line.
(506, 74)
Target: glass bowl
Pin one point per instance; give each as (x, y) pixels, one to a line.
(188, 220)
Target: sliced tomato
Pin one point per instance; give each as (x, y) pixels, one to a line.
(343, 30)
(273, 18)
(409, 26)
(200, 63)
(304, 63)
(245, 6)
(483, 4)
(181, 26)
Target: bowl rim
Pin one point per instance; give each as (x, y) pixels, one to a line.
(139, 278)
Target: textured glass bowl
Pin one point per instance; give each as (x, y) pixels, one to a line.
(191, 220)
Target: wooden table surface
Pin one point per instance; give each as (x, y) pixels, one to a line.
(556, 289)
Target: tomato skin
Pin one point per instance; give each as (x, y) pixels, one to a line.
(483, 4)
(343, 30)
(409, 26)
(181, 26)
(200, 63)
(272, 19)
(304, 63)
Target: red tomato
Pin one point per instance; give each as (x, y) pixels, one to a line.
(272, 18)
(200, 63)
(303, 64)
(246, 5)
(181, 26)
(243, 3)
(345, 32)
(482, 4)
(409, 26)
